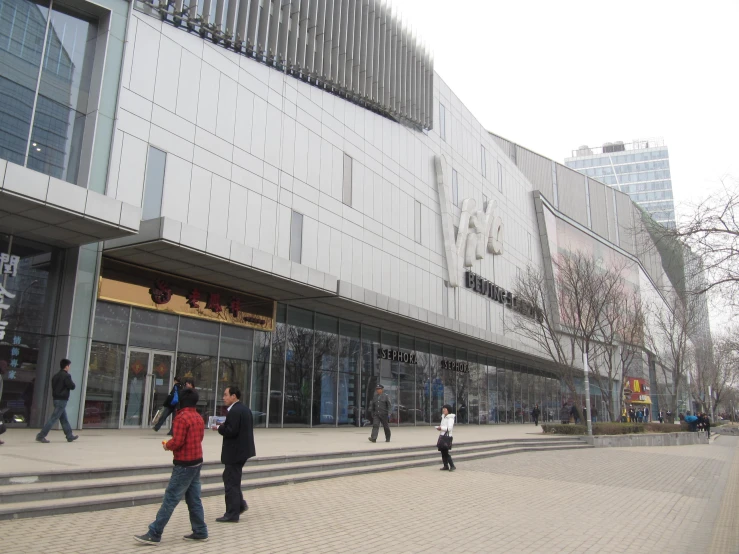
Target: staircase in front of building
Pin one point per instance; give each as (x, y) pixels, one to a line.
(33, 495)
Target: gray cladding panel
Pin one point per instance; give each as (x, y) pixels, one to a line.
(538, 170)
(572, 200)
(625, 222)
(598, 209)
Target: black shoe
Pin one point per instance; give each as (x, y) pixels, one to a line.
(194, 537)
(371, 439)
(452, 468)
(74, 438)
(445, 468)
(147, 539)
(244, 507)
(225, 519)
(387, 440)
(43, 439)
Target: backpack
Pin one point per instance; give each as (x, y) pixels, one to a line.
(175, 398)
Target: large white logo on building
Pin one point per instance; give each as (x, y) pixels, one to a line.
(478, 230)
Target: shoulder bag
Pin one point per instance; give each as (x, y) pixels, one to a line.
(444, 442)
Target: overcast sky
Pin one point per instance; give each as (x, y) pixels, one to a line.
(552, 75)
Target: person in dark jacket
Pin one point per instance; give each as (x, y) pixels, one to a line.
(186, 446)
(238, 447)
(381, 407)
(564, 413)
(170, 404)
(535, 413)
(61, 384)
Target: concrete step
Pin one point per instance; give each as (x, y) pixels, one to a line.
(109, 485)
(30, 505)
(64, 475)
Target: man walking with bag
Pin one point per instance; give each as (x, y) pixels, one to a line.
(61, 384)
(170, 405)
(238, 447)
(380, 410)
(186, 445)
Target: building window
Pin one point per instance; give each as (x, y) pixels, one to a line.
(44, 106)
(154, 184)
(296, 237)
(500, 177)
(418, 222)
(442, 121)
(455, 187)
(483, 161)
(346, 191)
(484, 202)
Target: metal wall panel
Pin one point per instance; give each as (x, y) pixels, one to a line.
(598, 207)
(284, 25)
(537, 169)
(294, 33)
(572, 201)
(306, 18)
(274, 22)
(335, 40)
(251, 28)
(625, 222)
(320, 39)
(343, 38)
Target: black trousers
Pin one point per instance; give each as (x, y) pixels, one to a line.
(235, 502)
(446, 458)
(536, 420)
(378, 419)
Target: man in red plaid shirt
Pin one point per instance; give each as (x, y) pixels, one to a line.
(187, 446)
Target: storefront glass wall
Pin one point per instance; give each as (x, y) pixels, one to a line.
(312, 370)
(29, 277)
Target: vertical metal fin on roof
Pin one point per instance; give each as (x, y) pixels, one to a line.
(358, 49)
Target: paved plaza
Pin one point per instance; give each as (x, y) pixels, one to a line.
(651, 499)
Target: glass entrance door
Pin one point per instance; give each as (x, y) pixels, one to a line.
(148, 382)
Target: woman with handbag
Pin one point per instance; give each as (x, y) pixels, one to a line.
(444, 444)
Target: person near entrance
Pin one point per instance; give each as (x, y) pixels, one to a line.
(186, 446)
(61, 384)
(535, 413)
(238, 447)
(381, 407)
(170, 404)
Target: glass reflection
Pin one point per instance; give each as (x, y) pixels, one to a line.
(325, 371)
(22, 32)
(260, 378)
(349, 382)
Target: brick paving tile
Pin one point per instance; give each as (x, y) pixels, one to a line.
(574, 501)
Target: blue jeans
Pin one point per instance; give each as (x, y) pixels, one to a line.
(184, 481)
(59, 413)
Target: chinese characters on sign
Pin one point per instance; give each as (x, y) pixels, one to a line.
(3, 307)
(9, 264)
(122, 283)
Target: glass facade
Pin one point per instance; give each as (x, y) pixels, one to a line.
(313, 370)
(29, 277)
(642, 174)
(46, 60)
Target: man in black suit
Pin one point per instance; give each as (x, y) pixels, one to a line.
(238, 446)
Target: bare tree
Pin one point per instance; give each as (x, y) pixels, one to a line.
(669, 331)
(711, 232)
(568, 309)
(620, 339)
(716, 370)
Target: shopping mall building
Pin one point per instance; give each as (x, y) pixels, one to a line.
(277, 194)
